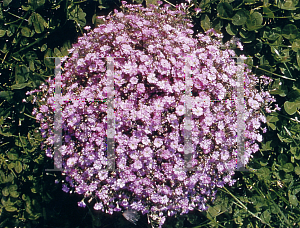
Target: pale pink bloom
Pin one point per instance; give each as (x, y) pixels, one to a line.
(180, 110)
(158, 142)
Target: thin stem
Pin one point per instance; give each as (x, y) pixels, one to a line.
(242, 205)
(292, 79)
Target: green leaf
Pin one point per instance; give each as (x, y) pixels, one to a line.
(38, 22)
(217, 24)
(44, 47)
(2, 176)
(295, 16)
(6, 2)
(288, 4)
(288, 167)
(26, 32)
(266, 216)
(282, 159)
(274, 34)
(20, 86)
(214, 211)
(153, 2)
(271, 119)
(9, 178)
(11, 165)
(240, 17)
(5, 191)
(297, 170)
(7, 95)
(249, 38)
(49, 62)
(21, 74)
(296, 45)
(267, 146)
(10, 208)
(269, 13)
(293, 200)
(290, 107)
(293, 149)
(298, 58)
(2, 32)
(14, 194)
(263, 174)
(224, 9)
(36, 3)
(290, 31)
(18, 167)
(57, 52)
(254, 21)
(78, 16)
(231, 29)
(13, 188)
(205, 22)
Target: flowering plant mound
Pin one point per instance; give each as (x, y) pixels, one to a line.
(149, 112)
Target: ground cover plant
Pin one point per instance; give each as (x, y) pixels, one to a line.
(266, 196)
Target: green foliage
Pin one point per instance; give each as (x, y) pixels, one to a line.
(30, 31)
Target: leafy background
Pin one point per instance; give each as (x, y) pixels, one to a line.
(30, 31)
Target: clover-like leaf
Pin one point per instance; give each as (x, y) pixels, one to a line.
(25, 31)
(224, 9)
(291, 107)
(78, 15)
(266, 216)
(231, 29)
(271, 120)
(254, 21)
(297, 170)
(296, 45)
(288, 4)
(205, 22)
(18, 167)
(7, 95)
(38, 22)
(274, 34)
(288, 167)
(5, 191)
(2, 32)
(290, 31)
(267, 146)
(282, 159)
(268, 12)
(240, 17)
(293, 200)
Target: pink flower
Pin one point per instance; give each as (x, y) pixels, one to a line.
(198, 10)
(147, 45)
(158, 142)
(180, 110)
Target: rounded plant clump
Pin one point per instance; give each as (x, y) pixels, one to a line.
(151, 47)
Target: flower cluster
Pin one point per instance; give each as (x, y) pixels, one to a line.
(155, 45)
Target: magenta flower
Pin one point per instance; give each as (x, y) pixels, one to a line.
(149, 112)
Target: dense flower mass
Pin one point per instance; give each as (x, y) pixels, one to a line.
(149, 109)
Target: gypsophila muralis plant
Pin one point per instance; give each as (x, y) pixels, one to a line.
(149, 113)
